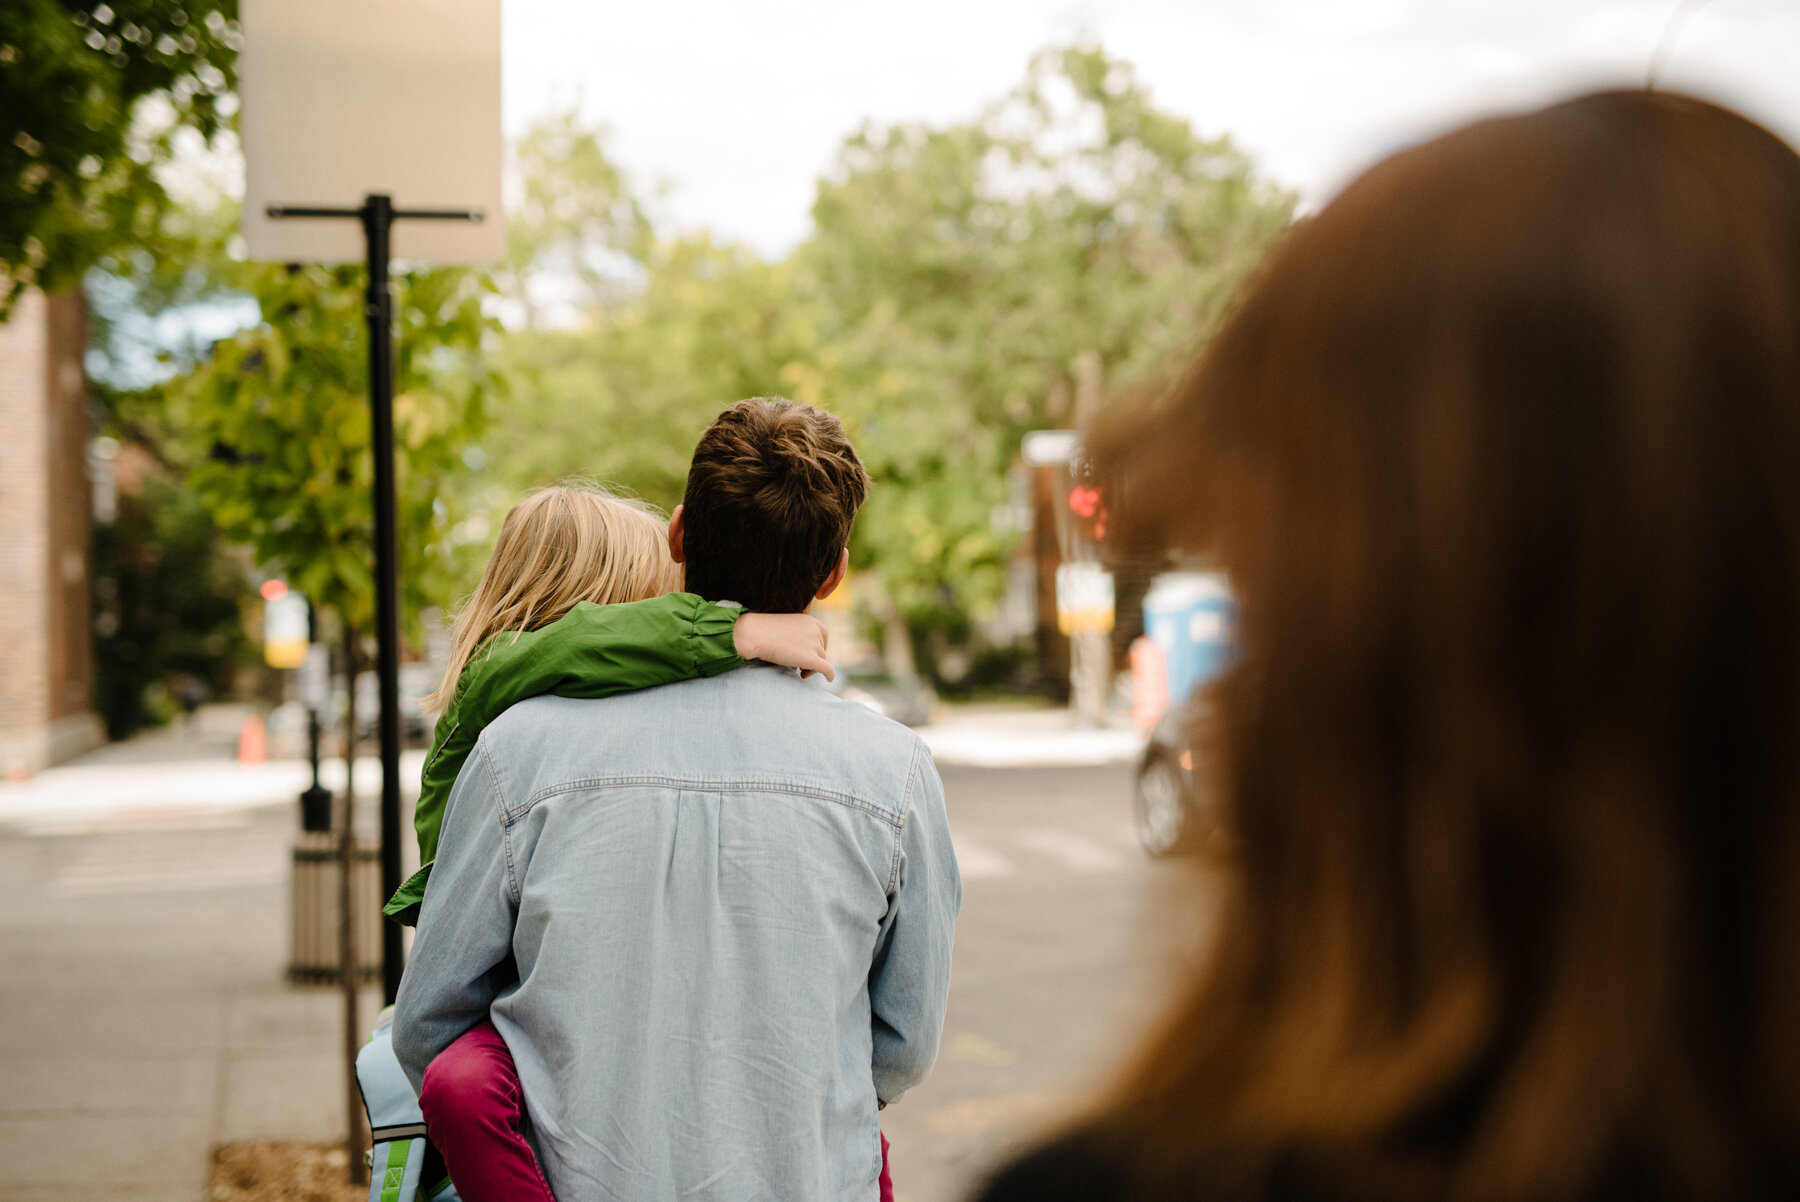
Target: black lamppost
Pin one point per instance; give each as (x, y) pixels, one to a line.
(378, 215)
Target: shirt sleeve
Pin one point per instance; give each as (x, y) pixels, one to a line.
(462, 955)
(909, 980)
(599, 650)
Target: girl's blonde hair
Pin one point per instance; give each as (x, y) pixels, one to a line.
(561, 545)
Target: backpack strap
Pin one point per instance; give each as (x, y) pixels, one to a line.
(394, 1169)
(403, 1166)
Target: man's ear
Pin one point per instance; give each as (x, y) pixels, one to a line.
(677, 551)
(836, 578)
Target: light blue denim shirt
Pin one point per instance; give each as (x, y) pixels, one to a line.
(730, 902)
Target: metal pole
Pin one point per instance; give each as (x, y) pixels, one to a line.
(377, 215)
(378, 222)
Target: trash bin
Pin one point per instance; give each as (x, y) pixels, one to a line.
(313, 948)
(1187, 615)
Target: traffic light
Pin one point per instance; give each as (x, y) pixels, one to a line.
(1088, 506)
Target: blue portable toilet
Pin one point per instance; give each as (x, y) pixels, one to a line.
(1188, 616)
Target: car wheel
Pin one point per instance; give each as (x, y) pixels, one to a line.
(1162, 804)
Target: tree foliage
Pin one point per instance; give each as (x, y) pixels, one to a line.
(962, 285)
(270, 426)
(966, 271)
(276, 425)
(168, 599)
(954, 280)
(574, 222)
(624, 397)
(78, 153)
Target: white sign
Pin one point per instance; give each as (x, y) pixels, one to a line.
(344, 98)
(1043, 448)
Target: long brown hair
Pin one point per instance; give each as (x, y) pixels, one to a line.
(1501, 455)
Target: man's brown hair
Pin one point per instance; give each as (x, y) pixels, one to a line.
(770, 497)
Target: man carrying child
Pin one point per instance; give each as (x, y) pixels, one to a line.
(712, 920)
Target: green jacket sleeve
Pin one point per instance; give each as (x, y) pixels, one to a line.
(592, 651)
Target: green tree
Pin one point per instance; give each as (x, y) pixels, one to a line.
(965, 273)
(623, 398)
(168, 599)
(575, 223)
(624, 344)
(269, 426)
(962, 286)
(274, 430)
(94, 94)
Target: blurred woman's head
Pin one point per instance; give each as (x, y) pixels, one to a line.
(1501, 455)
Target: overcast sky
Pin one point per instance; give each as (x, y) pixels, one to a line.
(736, 106)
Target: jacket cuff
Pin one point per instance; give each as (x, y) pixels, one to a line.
(713, 648)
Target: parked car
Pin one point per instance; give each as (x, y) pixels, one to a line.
(1173, 813)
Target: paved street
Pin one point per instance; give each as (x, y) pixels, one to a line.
(1062, 951)
(147, 1018)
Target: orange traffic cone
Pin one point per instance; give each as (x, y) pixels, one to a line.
(252, 745)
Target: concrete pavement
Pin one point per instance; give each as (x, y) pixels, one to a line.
(147, 1018)
(1066, 948)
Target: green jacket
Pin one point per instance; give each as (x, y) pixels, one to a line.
(592, 651)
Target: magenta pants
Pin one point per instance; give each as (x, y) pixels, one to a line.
(474, 1110)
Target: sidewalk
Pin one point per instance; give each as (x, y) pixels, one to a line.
(187, 771)
(1021, 736)
(147, 1015)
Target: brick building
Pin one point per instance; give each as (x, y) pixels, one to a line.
(46, 554)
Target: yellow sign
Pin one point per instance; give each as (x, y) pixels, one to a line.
(285, 629)
(1084, 599)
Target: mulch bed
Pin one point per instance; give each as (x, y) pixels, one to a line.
(279, 1171)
